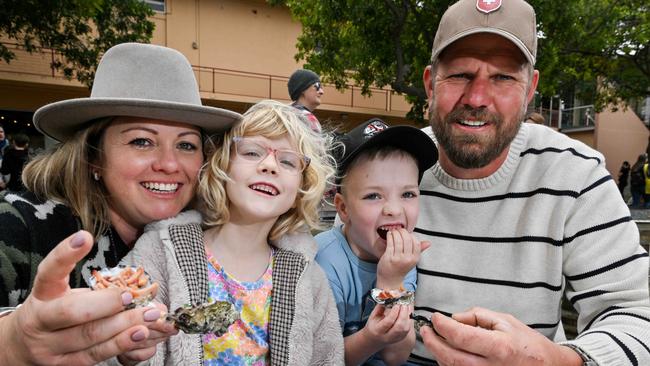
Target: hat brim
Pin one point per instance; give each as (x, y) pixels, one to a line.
(61, 120)
(522, 47)
(407, 138)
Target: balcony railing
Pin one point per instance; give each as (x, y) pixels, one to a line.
(257, 85)
(235, 85)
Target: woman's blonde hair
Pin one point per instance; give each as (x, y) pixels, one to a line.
(270, 119)
(64, 174)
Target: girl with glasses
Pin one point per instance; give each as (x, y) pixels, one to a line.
(260, 191)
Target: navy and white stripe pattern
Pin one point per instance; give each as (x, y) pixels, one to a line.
(549, 220)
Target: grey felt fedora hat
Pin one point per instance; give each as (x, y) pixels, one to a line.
(137, 80)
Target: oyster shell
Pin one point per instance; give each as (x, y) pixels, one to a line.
(214, 317)
(420, 321)
(389, 298)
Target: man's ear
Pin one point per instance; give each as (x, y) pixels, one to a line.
(341, 207)
(533, 86)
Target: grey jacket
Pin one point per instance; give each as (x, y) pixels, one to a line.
(303, 328)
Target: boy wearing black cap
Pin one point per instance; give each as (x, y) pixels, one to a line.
(373, 254)
(305, 91)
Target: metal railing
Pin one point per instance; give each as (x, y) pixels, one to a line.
(260, 85)
(236, 83)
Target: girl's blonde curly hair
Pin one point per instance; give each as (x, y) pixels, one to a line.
(272, 120)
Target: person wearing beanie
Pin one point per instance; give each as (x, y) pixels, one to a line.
(520, 216)
(305, 90)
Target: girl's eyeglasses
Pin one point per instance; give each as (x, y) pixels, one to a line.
(288, 160)
(318, 85)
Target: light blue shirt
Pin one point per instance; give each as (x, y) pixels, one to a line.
(351, 279)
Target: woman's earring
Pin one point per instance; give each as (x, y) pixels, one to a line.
(96, 175)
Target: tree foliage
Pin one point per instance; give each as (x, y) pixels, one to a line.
(388, 42)
(79, 30)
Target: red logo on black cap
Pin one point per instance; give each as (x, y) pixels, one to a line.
(488, 6)
(373, 128)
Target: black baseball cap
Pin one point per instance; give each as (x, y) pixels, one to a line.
(375, 132)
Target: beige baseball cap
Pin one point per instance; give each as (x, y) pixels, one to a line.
(512, 19)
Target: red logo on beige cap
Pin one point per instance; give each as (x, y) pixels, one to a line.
(488, 6)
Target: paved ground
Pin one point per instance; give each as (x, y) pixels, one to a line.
(638, 214)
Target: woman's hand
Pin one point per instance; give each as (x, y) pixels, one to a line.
(59, 325)
(159, 331)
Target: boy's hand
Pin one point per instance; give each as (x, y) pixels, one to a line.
(386, 326)
(402, 254)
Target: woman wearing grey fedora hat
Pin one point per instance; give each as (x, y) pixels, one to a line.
(130, 154)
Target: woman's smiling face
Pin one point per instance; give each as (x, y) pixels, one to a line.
(150, 168)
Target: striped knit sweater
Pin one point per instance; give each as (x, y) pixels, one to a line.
(549, 220)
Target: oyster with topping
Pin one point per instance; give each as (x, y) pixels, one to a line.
(127, 278)
(389, 298)
(214, 317)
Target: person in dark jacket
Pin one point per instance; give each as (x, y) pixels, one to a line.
(637, 182)
(14, 161)
(623, 176)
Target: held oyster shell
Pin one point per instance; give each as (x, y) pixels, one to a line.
(214, 317)
(389, 298)
(132, 279)
(420, 321)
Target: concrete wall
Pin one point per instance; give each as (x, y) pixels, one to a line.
(243, 51)
(620, 136)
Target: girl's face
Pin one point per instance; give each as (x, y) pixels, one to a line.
(150, 168)
(265, 179)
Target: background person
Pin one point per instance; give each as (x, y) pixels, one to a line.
(535, 117)
(623, 176)
(518, 214)
(637, 182)
(4, 143)
(305, 90)
(14, 161)
(129, 155)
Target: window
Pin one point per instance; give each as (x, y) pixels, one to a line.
(156, 5)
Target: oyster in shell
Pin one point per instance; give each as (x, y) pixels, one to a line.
(420, 321)
(389, 298)
(214, 317)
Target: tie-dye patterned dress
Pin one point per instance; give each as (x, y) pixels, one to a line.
(246, 342)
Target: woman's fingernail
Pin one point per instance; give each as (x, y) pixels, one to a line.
(77, 240)
(127, 298)
(138, 336)
(151, 315)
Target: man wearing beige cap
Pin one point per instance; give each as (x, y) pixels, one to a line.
(518, 215)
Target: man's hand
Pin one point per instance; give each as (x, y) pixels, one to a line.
(482, 337)
(402, 254)
(59, 325)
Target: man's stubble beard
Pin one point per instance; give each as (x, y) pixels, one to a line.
(472, 151)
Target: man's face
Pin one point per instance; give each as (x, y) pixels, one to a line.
(2, 134)
(478, 98)
(311, 96)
